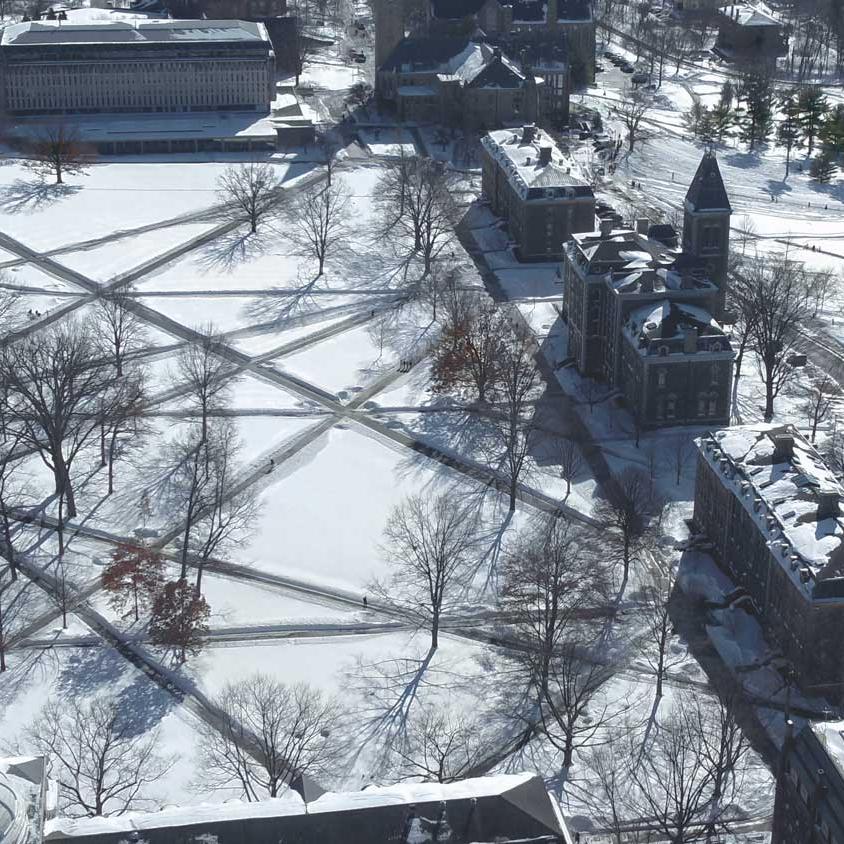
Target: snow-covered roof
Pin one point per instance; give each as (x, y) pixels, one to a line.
(519, 153)
(21, 795)
(522, 808)
(745, 14)
(36, 33)
(791, 495)
(831, 736)
(672, 321)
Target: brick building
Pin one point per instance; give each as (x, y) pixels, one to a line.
(750, 34)
(643, 316)
(530, 184)
(809, 806)
(770, 508)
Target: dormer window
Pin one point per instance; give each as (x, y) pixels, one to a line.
(663, 351)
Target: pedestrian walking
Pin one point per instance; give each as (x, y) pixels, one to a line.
(364, 601)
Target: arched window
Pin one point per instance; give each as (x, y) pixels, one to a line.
(671, 406)
(660, 377)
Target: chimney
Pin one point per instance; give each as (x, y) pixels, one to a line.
(642, 226)
(690, 341)
(783, 447)
(606, 228)
(544, 155)
(828, 502)
(528, 133)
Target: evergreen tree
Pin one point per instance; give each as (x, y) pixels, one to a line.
(755, 121)
(727, 94)
(789, 131)
(695, 118)
(822, 167)
(721, 120)
(812, 108)
(831, 132)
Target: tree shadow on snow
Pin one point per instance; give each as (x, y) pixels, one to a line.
(143, 704)
(230, 250)
(90, 670)
(22, 196)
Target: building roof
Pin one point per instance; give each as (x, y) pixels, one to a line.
(461, 57)
(707, 191)
(743, 14)
(500, 808)
(36, 33)
(791, 495)
(668, 320)
(518, 152)
(21, 797)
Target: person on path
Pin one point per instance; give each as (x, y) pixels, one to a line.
(364, 601)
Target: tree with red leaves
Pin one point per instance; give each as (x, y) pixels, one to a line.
(133, 577)
(179, 618)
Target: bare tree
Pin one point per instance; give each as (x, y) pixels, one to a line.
(631, 511)
(55, 151)
(678, 457)
(572, 712)
(271, 733)
(57, 385)
(467, 358)
(16, 599)
(360, 95)
(12, 490)
(686, 769)
(304, 50)
(320, 214)
(513, 419)
(607, 790)
(442, 745)
(416, 200)
(10, 307)
(101, 763)
(821, 282)
(119, 327)
(430, 544)
(658, 629)
(570, 461)
(773, 291)
(229, 507)
(329, 142)
(206, 373)
(631, 111)
(251, 190)
(122, 425)
(548, 576)
(821, 395)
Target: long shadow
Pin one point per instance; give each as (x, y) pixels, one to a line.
(90, 670)
(27, 197)
(233, 249)
(143, 705)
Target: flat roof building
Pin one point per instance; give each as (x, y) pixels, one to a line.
(150, 66)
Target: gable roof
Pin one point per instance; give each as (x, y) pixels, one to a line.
(524, 11)
(500, 808)
(455, 9)
(499, 73)
(707, 191)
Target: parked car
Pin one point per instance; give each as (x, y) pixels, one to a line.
(626, 67)
(609, 54)
(357, 56)
(640, 77)
(599, 68)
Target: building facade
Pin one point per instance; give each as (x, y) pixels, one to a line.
(156, 66)
(809, 806)
(529, 183)
(642, 316)
(770, 508)
(749, 34)
(458, 82)
(570, 22)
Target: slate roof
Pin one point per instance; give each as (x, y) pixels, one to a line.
(425, 52)
(501, 808)
(499, 73)
(707, 191)
(455, 9)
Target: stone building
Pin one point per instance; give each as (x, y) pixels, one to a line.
(809, 806)
(749, 34)
(569, 21)
(770, 508)
(458, 82)
(226, 9)
(642, 316)
(155, 66)
(529, 183)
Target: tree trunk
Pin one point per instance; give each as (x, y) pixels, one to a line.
(185, 549)
(769, 399)
(514, 489)
(199, 569)
(568, 751)
(64, 489)
(321, 264)
(435, 628)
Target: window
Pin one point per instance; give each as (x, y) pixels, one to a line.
(714, 374)
(713, 404)
(660, 378)
(701, 404)
(671, 406)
